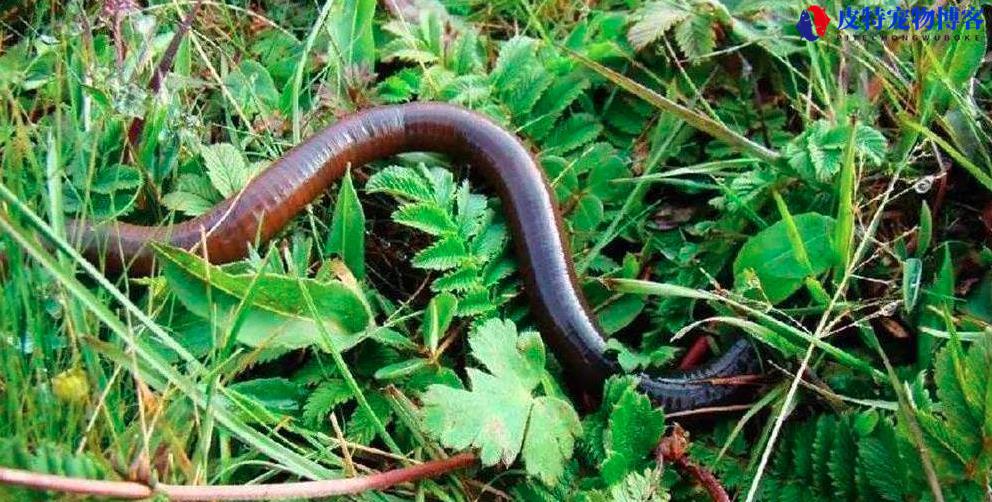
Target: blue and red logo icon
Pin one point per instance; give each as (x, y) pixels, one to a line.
(813, 23)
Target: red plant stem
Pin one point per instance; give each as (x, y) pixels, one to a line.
(705, 478)
(162, 69)
(48, 482)
(674, 449)
(300, 490)
(695, 354)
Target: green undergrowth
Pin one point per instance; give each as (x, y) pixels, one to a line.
(717, 175)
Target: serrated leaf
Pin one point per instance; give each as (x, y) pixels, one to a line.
(695, 37)
(654, 20)
(574, 132)
(635, 427)
(499, 415)
(116, 177)
(361, 427)
(460, 279)
(400, 182)
(324, 399)
(551, 432)
(444, 254)
(226, 168)
(426, 217)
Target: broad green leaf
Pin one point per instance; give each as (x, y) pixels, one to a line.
(253, 88)
(227, 168)
(347, 237)
(618, 314)
(350, 27)
(275, 313)
(770, 255)
(588, 213)
(500, 415)
(194, 195)
(551, 433)
(491, 417)
(519, 358)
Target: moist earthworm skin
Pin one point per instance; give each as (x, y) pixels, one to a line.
(279, 193)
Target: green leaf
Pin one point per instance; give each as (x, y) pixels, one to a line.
(551, 432)
(267, 310)
(194, 195)
(695, 37)
(444, 254)
(437, 317)
(574, 132)
(939, 296)
(654, 20)
(362, 427)
(888, 470)
(116, 177)
(639, 487)
(401, 369)
(226, 168)
(588, 213)
(401, 182)
(912, 273)
(770, 255)
(324, 399)
(505, 354)
(350, 27)
(426, 217)
(925, 235)
(500, 415)
(278, 395)
(347, 237)
(491, 417)
(618, 314)
(253, 88)
(635, 427)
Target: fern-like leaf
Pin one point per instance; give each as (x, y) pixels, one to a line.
(426, 217)
(654, 20)
(401, 182)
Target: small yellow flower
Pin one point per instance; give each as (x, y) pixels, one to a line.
(71, 386)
